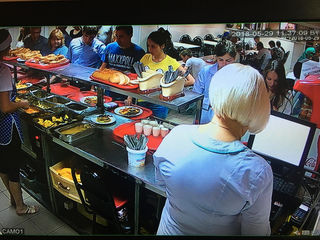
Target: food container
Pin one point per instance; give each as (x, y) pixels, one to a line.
(40, 94)
(150, 80)
(173, 88)
(59, 117)
(32, 110)
(77, 107)
(136, 158)
(63, 183)
(43, 104)
(58, 100)
(75, 131)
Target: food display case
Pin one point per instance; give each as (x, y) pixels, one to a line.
(99, 145)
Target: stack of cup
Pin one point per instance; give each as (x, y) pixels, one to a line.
(148, 128)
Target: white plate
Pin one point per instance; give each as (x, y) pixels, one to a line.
(20, 60)
(88, 97)
(93, 119)
(118, 109)
(27, 86)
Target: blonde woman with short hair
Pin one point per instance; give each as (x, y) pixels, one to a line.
(56, 43)
(214, 184)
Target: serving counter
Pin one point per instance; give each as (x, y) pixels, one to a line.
(100, 148)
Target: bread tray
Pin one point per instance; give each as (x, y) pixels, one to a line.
(70, 138)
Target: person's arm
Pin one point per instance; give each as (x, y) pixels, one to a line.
(6, 106)
(255, 219)
(198, 86)
(190, 80)
(103, 66)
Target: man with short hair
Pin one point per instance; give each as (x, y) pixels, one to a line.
(87, 50)
(122, 54)
(264, 55)
(36, 41)
(196, 64)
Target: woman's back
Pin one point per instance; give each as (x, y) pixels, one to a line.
(209, 183)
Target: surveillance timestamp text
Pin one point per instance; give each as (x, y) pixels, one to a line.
(294, 35)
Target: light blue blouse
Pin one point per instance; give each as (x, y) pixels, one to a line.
(201, 86)
(212, 187)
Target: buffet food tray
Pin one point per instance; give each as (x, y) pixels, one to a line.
(40, 94)
(57, 113)
(56, 99)
(70, 138)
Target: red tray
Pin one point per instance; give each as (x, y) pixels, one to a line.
(46, 66)
(128, 128)
(62, 89)
(9, 58)
(125, 87)
(78, 95)
(146, 111)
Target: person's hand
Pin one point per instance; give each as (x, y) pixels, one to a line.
(24, 104)
(128, 101)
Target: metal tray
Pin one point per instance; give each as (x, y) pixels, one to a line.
(58, 99)
(72, 117)
(69, 138)
(43, 104)
(77, 107)
(39, 93)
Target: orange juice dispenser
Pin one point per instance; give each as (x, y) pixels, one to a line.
(310, 88)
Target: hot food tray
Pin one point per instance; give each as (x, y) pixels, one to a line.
(75, 131)
(58, 100)
(40, 94)
(43, 104)
(58, 118)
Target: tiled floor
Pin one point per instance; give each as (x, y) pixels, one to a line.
(41, 223)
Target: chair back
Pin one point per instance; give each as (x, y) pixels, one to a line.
(209, 37)
(198, 41)
(185, 38)
(96, 199)
(285, 57)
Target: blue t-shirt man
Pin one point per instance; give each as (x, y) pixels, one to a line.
(122, 59)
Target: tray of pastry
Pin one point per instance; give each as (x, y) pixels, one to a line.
(49, 61)
(113, 78)
(75, 131)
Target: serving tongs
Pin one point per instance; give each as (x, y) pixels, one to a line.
(139, 68)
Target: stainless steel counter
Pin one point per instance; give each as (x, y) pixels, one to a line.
(102, 149)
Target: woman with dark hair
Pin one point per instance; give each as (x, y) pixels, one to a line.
(225, 53)
(280, 95)
(157, 59)
(10, 132)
